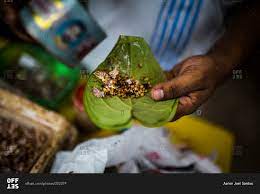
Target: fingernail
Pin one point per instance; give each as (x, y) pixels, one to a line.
(158, 94)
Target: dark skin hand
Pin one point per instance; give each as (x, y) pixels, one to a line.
(194, 80)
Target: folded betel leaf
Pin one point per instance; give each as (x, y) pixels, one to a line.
(120, 88)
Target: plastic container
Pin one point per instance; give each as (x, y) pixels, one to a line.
(63, 27)
(40, 76)
(30, 135)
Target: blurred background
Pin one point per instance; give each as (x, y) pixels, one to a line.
(235, 106)
(29, 70)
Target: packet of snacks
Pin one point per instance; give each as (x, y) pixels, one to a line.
(30, 135)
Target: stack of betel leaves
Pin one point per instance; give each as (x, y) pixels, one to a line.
(119, 90)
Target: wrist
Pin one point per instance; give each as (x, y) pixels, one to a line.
(224, 65)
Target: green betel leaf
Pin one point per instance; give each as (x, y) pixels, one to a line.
(134, 59)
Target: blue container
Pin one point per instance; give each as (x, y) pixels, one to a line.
(63, 27)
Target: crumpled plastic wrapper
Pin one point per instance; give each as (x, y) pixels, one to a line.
(137, 150)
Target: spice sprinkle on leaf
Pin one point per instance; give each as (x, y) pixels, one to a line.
(115, 84)
(122, 83)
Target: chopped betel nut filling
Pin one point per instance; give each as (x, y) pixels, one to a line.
(115, 84)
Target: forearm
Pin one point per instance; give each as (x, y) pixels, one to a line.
(239, 39)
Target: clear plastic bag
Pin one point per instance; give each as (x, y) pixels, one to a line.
(30, 135)
(137, 150)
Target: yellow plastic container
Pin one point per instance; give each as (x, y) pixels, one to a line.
(204, 138)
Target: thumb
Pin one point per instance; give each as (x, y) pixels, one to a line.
(177, 87)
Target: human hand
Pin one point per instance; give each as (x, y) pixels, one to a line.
(193, 81)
